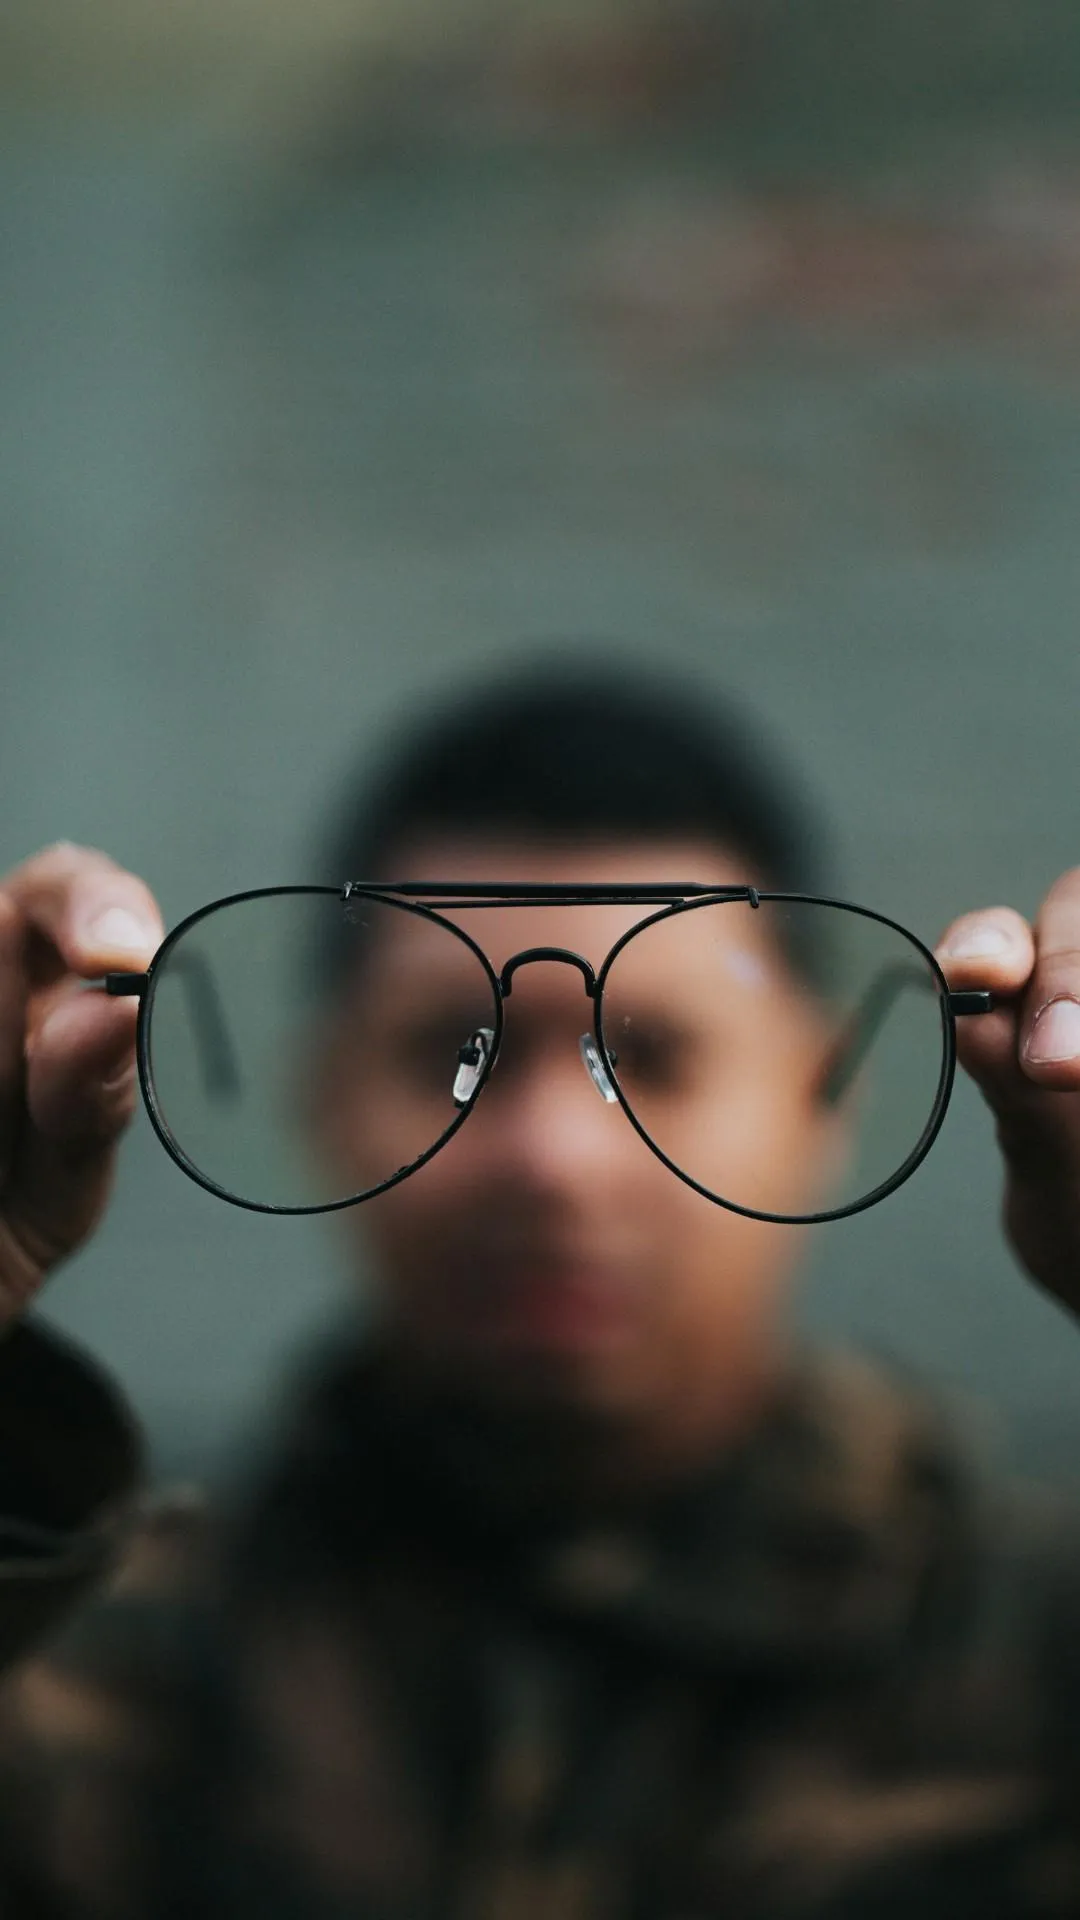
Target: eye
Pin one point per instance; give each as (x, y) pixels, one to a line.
(427, 1054)
(655, 1054)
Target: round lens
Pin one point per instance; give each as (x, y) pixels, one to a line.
(304, 1050)
(790, 1059)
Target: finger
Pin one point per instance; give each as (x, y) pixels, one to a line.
(56, 1201)
(12, 1027)
(986, 1047)
(1049, 1037)
(90, 912)
(1024, 1056)
(992, 949)
(80, 1093)
(80, 1077)
(1038, 1133)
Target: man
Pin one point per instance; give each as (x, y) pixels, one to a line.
(573, 1590)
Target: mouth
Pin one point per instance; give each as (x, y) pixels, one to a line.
(542, 1301)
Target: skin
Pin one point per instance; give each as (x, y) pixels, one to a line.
(545, 1267)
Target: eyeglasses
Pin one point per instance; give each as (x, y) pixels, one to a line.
(716, 1016)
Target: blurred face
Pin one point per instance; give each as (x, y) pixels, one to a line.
(545, 1258)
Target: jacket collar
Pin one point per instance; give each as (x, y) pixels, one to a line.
(839, 1527)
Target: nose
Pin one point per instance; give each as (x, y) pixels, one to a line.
(538, 1117)
(548, 1130)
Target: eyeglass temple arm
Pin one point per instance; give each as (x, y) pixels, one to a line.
(217, 1055)
(853, 1044)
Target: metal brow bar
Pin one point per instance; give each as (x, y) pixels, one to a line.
(509, 893)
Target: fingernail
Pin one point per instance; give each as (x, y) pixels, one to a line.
(118, 930)
(975, 943)
(1055, 1034)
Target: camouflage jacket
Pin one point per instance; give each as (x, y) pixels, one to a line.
(836, 1678)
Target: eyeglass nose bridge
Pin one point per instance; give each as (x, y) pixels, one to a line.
(590, 1052)
(531, 954)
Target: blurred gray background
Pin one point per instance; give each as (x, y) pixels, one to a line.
(346, 349)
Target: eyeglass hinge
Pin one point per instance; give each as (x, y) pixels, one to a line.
(130, 984)
(970, 1002)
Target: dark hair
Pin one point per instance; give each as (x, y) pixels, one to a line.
(567, 750)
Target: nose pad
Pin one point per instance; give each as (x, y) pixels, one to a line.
(596, 1069)
(472, 1059)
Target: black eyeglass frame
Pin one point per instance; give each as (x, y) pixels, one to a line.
(671, 900)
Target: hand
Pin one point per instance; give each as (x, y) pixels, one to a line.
(1025, 1058)
(67, 1055)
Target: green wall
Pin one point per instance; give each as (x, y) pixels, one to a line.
(289, 445)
